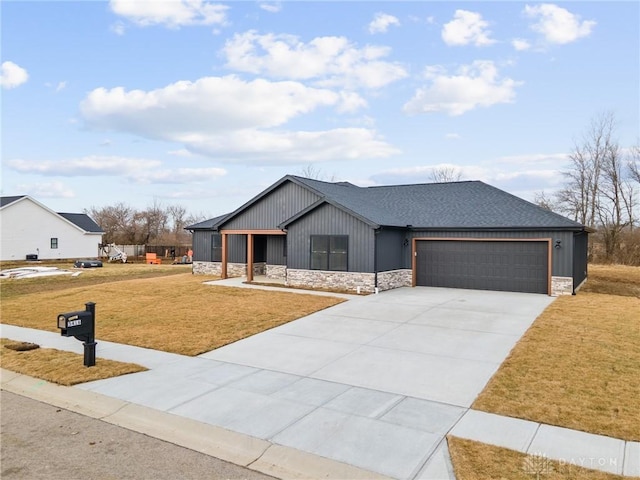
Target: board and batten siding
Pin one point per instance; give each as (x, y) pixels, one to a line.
(276, 250)
(562, 258)
(202, 247)
(328, 220)
(391, 250)
(269, 212)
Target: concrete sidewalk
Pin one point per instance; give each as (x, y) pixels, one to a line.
(366, 389)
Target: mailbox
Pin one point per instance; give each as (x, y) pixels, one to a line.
(81, 325)
(75, 324)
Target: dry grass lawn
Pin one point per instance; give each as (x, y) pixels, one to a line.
(64, 368)
(174, 314)
(578, 366)
(478, 461)
(614, 280)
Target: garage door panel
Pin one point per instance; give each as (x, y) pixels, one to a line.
(520, 266)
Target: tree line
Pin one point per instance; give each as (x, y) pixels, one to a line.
(600, 190)
(155, 225)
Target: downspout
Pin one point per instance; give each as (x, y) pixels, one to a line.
(375, 259)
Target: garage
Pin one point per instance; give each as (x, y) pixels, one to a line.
(502, 265)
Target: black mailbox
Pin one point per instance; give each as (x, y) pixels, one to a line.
(81, 325)
(75, 324)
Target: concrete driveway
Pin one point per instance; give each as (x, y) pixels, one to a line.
(375, 382)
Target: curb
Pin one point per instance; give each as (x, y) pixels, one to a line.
(244, 450)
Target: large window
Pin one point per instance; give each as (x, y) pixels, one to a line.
(329, 252)
(54, 243)
(216, 247)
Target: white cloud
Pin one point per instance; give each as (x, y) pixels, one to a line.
(179, 175)
(273, 7)
(381, 23)
(45, 190)
(208, 105)
(467, 28)
(452, 136)
(170, 13)
(558, 25)
(138, 170)
(534, 158)
(520, 44)
(61, 86)
(12, 75)
(234, 120)
(91, 165)
(328, 61)
(277, 148)
(183, 152)
(472, 86)
(118, 28)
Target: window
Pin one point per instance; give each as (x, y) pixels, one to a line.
(329, 252)
(54, 243)
(216, 247)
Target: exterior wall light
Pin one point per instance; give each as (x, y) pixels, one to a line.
(558, 244)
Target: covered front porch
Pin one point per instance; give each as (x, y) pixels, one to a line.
(262, 246)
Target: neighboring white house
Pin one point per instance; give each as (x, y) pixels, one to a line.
(27, 227)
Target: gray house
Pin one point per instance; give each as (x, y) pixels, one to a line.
(337, 235)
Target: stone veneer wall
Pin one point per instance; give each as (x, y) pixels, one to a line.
(561, 286)
(206, 268)
(394, 279)
(276, 271)
(349, 281)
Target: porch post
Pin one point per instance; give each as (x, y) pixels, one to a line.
(223, 267)
(249, 257)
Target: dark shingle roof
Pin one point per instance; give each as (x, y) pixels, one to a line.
(7, 200)
(470, 204)
(207, 224)
(82, 221)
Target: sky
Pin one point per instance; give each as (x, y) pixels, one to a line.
(205, 104)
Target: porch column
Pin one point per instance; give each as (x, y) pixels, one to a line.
(249, 257)
(223, 267)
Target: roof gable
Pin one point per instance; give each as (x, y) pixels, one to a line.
(4, 201)
(79, 221)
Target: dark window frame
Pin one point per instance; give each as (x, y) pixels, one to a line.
(216, 247)
(54, 243)
(334, 257)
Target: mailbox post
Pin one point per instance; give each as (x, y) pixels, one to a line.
(81, 325)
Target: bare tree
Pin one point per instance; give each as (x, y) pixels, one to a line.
(634, 163)
(579, 197)
(316, 173)
(598, 191)
(545, 201)
(615, 200)
(445, 174)
(178, 218)
(115, 221)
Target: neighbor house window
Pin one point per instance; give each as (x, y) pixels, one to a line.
(216, 247)
(54, 243)
(329, 252)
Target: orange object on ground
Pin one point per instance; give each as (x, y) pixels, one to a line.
(152, 259)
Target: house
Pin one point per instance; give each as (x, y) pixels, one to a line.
(28, 228)
(466, 234)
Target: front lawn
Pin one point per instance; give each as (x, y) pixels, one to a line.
(174, 313)
(578, 366)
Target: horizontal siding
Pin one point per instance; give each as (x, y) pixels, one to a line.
(280, 205)
(328, 220)
(562, 258)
